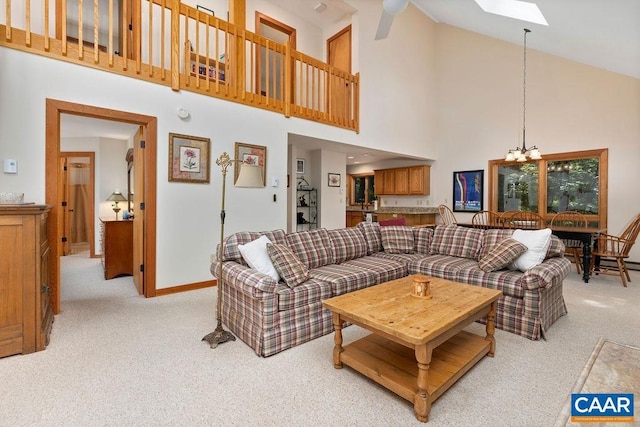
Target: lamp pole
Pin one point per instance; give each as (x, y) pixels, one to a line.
(219, 335)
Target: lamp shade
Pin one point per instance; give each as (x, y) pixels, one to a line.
(116, 196)
(250, 176)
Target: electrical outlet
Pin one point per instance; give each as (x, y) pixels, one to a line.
(395, 202)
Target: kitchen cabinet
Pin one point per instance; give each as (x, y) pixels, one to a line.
(419, 180)
(26, 314)
(402, 181)
(413, 180)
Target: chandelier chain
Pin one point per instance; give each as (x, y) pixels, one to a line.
(524, 87)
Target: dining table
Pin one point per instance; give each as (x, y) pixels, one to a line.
(586, 235)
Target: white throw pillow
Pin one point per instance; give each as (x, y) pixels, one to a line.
(255, 253)
(537, 242)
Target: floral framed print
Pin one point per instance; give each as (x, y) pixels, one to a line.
(253, 155)
(468, 190)
(334, 180)
(189, 158)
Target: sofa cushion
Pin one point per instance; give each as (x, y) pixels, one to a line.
(255, 254)
(491, 238)
(344, 279)
(387, 269)
(347, 243)
(397, 239)
(231, 251)
(423, 237)
(502, 254)
(312, 247)
(443, 266)
(537, 242)
(462, 242)
(371, 232)
(507, 281)
(288, 266)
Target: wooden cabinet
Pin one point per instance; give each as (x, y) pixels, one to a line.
(419, 180)
(402, 181)
(412, 180)
(117, 247)
(354, 218)
(26, 314)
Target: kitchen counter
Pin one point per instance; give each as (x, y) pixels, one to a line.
(407, 210)
(358, 209)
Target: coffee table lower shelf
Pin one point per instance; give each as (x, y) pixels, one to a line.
(394, 366)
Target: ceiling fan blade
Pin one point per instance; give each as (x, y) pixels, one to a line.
(384, 26)
(390, 8)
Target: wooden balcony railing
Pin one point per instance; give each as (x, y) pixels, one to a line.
(173, 44)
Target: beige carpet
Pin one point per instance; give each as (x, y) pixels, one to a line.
(118, 359)
(612, 368)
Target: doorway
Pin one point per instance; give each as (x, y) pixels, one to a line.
(77, 176)
(339, 56)
(146, 213)
(269, 71)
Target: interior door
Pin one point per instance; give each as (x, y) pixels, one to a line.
(339, 56)
(139, 213)
(269, 68)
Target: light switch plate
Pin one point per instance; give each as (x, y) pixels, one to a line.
(10, 166)
(274, 181)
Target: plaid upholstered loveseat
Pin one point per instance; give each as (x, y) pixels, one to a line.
(270, 316)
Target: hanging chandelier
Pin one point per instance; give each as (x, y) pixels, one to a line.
(522, 154)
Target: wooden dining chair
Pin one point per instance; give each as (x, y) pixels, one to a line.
(447, 216)
(616, 249)
(486, 219)
(572, 246)
(523, 220)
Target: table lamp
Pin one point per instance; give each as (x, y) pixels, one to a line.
(116, 197)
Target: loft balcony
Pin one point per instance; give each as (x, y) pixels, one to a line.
(172, 44)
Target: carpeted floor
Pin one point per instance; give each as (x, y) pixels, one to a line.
(116, 358)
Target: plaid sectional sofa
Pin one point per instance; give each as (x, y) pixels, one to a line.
(270, 316)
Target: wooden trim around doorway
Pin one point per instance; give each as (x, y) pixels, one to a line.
(187, 287)
(54, 108)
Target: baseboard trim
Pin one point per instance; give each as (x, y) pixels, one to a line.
(185, 288)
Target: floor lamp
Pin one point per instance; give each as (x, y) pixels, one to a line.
(250, 176)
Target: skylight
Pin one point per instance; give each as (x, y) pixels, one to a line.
(514, 9)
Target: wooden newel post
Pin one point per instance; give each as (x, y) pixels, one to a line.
(175, 45)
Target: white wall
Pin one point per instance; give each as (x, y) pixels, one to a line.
(570, 107)
(187, 214)
(332, 208)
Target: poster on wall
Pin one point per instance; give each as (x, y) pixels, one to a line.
(468, 188)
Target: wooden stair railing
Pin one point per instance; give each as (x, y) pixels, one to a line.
(173, 44)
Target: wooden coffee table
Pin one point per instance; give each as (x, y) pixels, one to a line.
(418, 348)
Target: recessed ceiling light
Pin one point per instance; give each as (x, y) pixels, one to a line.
(356, 163)
(514, 9)
(350, 157)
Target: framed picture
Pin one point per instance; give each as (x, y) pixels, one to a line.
(299, 165)
(468, 190)
(334, 179)
(253, 155)
(204, 9)
(188, 158)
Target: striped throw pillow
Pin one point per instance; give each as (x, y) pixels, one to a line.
(287, 264)
(502, 254)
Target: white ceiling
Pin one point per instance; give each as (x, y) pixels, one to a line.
(601, 33)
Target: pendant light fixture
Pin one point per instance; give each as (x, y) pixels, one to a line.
(522, 154)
